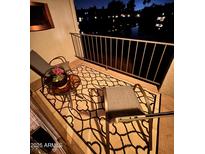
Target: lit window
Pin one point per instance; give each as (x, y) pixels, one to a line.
(161, 18)
(122, 15)
(159, 25)
(116, 16)
(80, 19)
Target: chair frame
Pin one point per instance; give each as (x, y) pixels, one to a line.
(61, 58)
(148, 116)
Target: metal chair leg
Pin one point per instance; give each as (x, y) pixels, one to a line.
(150, 133)
(107, 136)
(70, 99)
(76, 93)
(42, 85)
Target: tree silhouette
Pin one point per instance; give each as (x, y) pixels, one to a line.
(146, 1)
(131, 6)
(116, 7)
(118, 19)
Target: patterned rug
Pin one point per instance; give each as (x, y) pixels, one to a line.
(87, 116)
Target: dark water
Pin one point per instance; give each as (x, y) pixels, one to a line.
(135, 33)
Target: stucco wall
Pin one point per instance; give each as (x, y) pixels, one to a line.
(167, 87)
(54, 42)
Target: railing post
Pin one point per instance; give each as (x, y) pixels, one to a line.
(151, 60)
(73, 44)
(116, 54)
(159, 63)
(101, 49)
(128, 55)
(110, 52)
(106, 53)
(122, 54)
(81, 46)
(86, 48)
(97, 48)
(142, 58)
(78, 50)
(93, 49)
(89, 48)
(133, 67)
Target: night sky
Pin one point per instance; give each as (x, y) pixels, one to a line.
(100, 3)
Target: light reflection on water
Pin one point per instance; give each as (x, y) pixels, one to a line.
(135, 31)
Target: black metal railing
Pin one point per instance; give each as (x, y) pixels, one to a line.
(145, 60)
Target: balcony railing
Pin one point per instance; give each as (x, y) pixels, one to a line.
(145, 60)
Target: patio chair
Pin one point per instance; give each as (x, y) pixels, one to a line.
(40, 66)
(122, 105)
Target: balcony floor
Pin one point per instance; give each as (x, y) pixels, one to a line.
(166, 127)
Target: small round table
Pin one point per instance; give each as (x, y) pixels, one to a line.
(73, 81)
